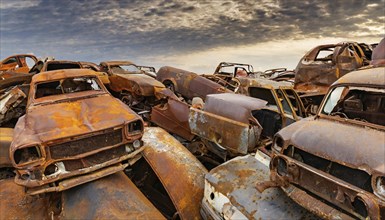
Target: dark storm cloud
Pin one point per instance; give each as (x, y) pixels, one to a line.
(97, 29)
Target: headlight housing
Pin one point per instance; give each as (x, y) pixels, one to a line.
(379, 186)
(135, 127)
(27, 155)
(278, 143)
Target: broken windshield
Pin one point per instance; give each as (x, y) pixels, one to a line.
(357, 103)
(67, 85)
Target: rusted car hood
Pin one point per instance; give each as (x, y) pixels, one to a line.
(142, 80)
(351, 145)
(65, 119)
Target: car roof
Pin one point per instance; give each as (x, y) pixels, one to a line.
(60, 74)
(370, 76)
(117, 62)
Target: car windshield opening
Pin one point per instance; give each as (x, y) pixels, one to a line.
(67, 85)
(358, 103)
(125, 69)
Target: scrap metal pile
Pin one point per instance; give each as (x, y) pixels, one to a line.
(122, 141)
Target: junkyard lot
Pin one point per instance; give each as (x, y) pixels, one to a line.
(217, 138)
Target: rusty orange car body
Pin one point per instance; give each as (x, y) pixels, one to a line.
(73, 132)
(132, 85)
(188, 84)
(18, 63)
(333, 164)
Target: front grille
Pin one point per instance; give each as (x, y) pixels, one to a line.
(355, 177)
(84, 145)
(104, 156)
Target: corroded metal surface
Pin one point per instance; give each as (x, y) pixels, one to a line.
(17, 63)
(333, 164)
(222, 130)
(188, 84)
(93, 129)
(316, 74)
(112, 197)
(15, 204)
(233, 106)
(181, 174)
(235, 182)
(135, 82)
(173, 116)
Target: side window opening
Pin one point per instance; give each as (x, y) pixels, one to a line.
(48, 89)
(285, 104)
(10, 60)
(325, 54)
(294, 102)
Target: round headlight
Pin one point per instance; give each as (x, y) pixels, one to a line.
(380, 187)
(26, 155)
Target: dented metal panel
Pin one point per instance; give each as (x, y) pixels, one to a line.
(112, 197)
(181, 174)
(237, 137)
(188, 84)
(231, 193)
(173, 116)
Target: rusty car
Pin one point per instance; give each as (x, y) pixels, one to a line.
(19, 63)
(323, 65)
(333, 164)
(253, 120)
(231, 192)
(131, 85)
(73, 132)
(189, 84)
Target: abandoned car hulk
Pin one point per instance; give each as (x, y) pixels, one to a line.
(73, 132)
(188, 84)
(19, 63)
(333, 164)
(130, 84)
(323, 65)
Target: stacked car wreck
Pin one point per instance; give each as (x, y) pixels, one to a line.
(122, 141)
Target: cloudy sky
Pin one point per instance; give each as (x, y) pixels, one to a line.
(189, 34)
